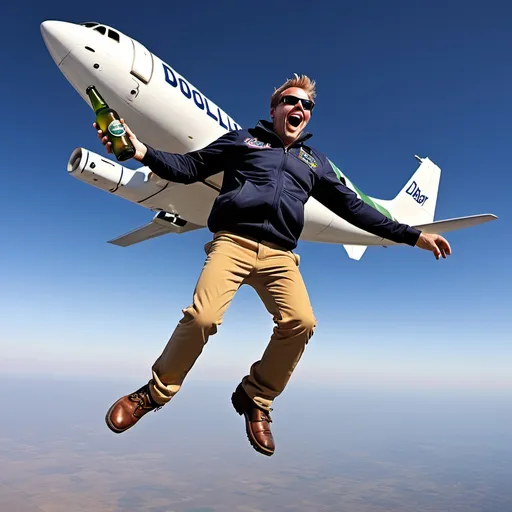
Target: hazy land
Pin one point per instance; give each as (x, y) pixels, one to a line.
(350, 451)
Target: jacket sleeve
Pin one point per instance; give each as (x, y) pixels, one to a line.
(193, 166)
(341, 200)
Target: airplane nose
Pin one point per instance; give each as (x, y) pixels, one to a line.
(58, 38)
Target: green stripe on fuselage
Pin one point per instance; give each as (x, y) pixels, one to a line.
(363, 196)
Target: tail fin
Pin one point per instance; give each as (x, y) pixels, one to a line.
(416, 202)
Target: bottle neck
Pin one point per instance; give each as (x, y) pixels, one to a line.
(97, 102)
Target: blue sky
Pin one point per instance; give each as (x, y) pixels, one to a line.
(393, 80)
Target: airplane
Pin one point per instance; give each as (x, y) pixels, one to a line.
(169, 113)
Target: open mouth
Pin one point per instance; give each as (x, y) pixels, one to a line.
(294, 120)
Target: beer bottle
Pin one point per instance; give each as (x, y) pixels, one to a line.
(108, 120)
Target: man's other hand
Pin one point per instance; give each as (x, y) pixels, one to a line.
(435, 243)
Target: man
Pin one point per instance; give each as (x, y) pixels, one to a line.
(269, 173)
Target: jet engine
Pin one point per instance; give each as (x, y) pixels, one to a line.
(110, 176)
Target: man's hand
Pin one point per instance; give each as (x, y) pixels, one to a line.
(140, 148)
(435, 243)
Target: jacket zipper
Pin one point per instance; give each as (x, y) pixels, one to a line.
(279, 187)
(280, 177)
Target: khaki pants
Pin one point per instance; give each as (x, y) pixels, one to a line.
(233, 260)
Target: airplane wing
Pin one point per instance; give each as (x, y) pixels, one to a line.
(162, 224)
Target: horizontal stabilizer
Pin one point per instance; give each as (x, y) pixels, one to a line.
(355, 252)
(443, 226)
(162, 224)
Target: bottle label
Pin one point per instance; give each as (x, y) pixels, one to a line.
(116, 128)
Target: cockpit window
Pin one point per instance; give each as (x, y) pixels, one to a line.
(113, 35)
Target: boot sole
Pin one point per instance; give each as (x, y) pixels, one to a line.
(248, 431)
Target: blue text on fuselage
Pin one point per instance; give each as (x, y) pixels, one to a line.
(200, 101)
(415, 192)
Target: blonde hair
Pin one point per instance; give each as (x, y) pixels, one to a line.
(303, 82)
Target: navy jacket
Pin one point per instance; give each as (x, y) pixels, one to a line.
(266, 185)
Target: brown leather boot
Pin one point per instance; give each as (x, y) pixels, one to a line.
(129, 409)
(257, 422)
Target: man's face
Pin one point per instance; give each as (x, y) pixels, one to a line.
(290, 119)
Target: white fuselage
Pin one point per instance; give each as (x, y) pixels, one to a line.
(169, 113)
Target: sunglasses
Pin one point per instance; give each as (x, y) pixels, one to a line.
(292, 100)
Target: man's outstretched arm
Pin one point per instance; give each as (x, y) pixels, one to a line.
(341, 200)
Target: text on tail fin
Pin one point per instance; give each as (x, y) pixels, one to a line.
(416, 202)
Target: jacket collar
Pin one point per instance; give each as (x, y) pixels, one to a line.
(268, 128)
